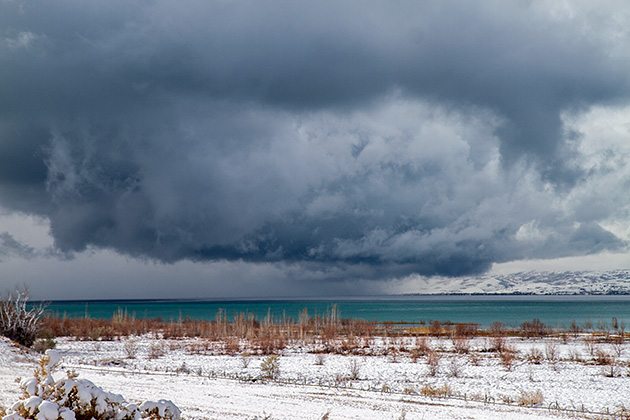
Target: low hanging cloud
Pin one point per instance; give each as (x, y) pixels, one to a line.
(351, 140)
(9, 247)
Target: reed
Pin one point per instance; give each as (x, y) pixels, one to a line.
(328, 333)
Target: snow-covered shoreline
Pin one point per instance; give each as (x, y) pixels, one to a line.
(385, 382)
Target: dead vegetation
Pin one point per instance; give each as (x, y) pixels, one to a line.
(245, 334)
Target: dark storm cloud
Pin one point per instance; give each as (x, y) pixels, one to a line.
(353, 139)
(9, 246)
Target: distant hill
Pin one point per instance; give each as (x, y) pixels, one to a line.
(615, 282)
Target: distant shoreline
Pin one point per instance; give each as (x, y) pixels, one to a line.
(402, 297)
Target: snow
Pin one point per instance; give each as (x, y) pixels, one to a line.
(32, 403)
(194, 377)
(66, 414)
(53, 359)
(47, 410)
(30, 385)
(46, 399)
(531, 282)
(164, 408)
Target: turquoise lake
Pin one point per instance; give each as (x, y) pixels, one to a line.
(483, 310)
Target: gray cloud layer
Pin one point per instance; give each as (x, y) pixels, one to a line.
(352, 139)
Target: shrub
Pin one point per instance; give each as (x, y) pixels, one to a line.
(156, 350)
(355, 370)
(497, 329)
(534, 328)
(535, 356)
(474, 359)
(421, 348)
(497, 340)
(603, 358)
(435, 328)
(79, 399)
(245, 359)
(17, 321)
(433, 361)
(590, 344)
(574, 329)
(270, 367)
(430, 391)
(461, 344)
(320, 359)
(466, 329)
(42, 344)
(454, 369)
(130, 348)
(508, 357)
(530, 398)
(551, 352)
(497, 344)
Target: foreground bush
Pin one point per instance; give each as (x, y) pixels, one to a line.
(17, 322)
(79, 399)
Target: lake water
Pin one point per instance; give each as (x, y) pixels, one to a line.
(512, 310)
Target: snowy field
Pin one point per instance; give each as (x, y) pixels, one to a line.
(573, 378)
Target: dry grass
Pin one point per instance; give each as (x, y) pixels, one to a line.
(461, 344)
(410, 391)
(534, 356)
(534, 328)
(433, 362)
(436, 391)
(508, 357)
(603, 358)
(244, 333)
(530, 398)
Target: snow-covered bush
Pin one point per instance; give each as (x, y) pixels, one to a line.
(79, 399)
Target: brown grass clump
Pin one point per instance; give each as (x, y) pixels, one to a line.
(534, 328)
(508, 357)
(603, 358)
(552, 353)
(497, 329)
(534, 356)
(156, 350)
(497, 334)
(461, 344)
(435, 329)
(530, 398)
(433, 362)
(439, 391)
(466, 329)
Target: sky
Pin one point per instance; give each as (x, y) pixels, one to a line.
(216, 148)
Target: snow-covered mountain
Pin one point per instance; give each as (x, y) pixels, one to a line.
(531, 282)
